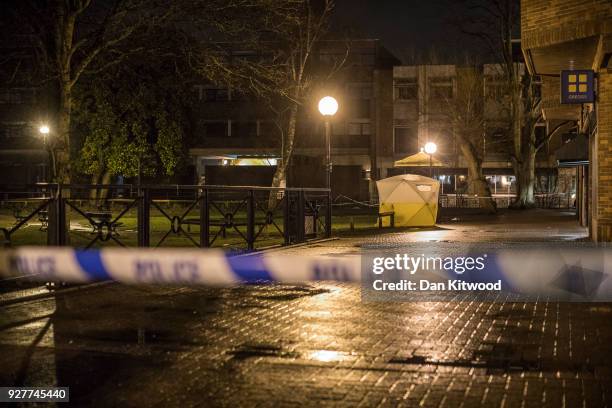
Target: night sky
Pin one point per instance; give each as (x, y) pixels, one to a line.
(410, 29)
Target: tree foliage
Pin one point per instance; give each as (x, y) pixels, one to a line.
(71, 40)
(132, 120)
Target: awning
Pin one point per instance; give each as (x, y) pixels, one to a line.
(419, 159)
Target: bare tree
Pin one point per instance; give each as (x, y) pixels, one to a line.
(283, 75)
(74, 38)
(465, 113)
(70, 37)
(497, 24)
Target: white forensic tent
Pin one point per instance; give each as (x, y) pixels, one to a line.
(412, 198)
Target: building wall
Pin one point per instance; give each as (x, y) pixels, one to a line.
(363, 123)
(603, 200)
(564, 34)
(426, 116)
(23, 159)
(548, 22)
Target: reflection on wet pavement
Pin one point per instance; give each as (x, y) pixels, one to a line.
(316, 344)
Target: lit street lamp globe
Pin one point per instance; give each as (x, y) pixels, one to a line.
(328, 106)
(430, 148)
(44, 129)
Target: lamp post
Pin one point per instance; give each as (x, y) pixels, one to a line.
(430, 149)
(328, 107)
(44, 131)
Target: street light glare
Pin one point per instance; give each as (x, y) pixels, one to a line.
(430, 148)
(44, 129)
(328, 106)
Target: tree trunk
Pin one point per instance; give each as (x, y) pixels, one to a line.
(525, 176)
(280, 175)
(106, 179)
(62, 148)
(93, 193)
(477, 183)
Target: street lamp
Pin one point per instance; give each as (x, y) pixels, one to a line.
(430, 149)
(328, 107)
(44, 131)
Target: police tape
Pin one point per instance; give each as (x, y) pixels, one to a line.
(211, 267)
(575, 274)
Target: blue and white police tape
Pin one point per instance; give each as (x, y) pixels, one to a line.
(576, 273)
(178, 266)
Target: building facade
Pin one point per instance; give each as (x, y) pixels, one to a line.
(423, 103)
(237, 141)
(562, 35)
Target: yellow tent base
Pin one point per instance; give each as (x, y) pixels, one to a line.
(410, 215)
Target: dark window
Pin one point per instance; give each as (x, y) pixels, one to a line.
(537, 87)
(355, 129)
(406, 90)
(268, 129)
(361, 108)
(216, 94)
(360, 91)
(215, 129)
(244, 129)
(17, 96)
(441, 88)
(246, 56)
(495, 89)
(5, 96)
(361, 58)
(240, 96)
(359, 96)
(405, 140)
(12, 132)
(331, 58)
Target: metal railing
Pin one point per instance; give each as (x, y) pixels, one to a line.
(89, 216)
(542, 200)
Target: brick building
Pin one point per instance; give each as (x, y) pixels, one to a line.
(570, 35)
(422, 95)
(236, 141)
(23, 157)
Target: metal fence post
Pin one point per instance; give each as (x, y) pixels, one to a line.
(52, 221)
(300, 218)
(328, 216)
(251, 220)
(204, 219)
(144, 213)
(286, 225)
(60, 219)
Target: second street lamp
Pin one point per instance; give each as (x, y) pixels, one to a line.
(44, 131)
(430, 149)
(328, 107)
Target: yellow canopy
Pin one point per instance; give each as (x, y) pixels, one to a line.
(412, 198)
(419, 159)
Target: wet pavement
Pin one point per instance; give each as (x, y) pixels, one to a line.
(316, 344)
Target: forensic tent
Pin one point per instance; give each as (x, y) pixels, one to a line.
(413, 199)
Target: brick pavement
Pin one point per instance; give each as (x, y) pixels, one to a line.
(315, 345)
